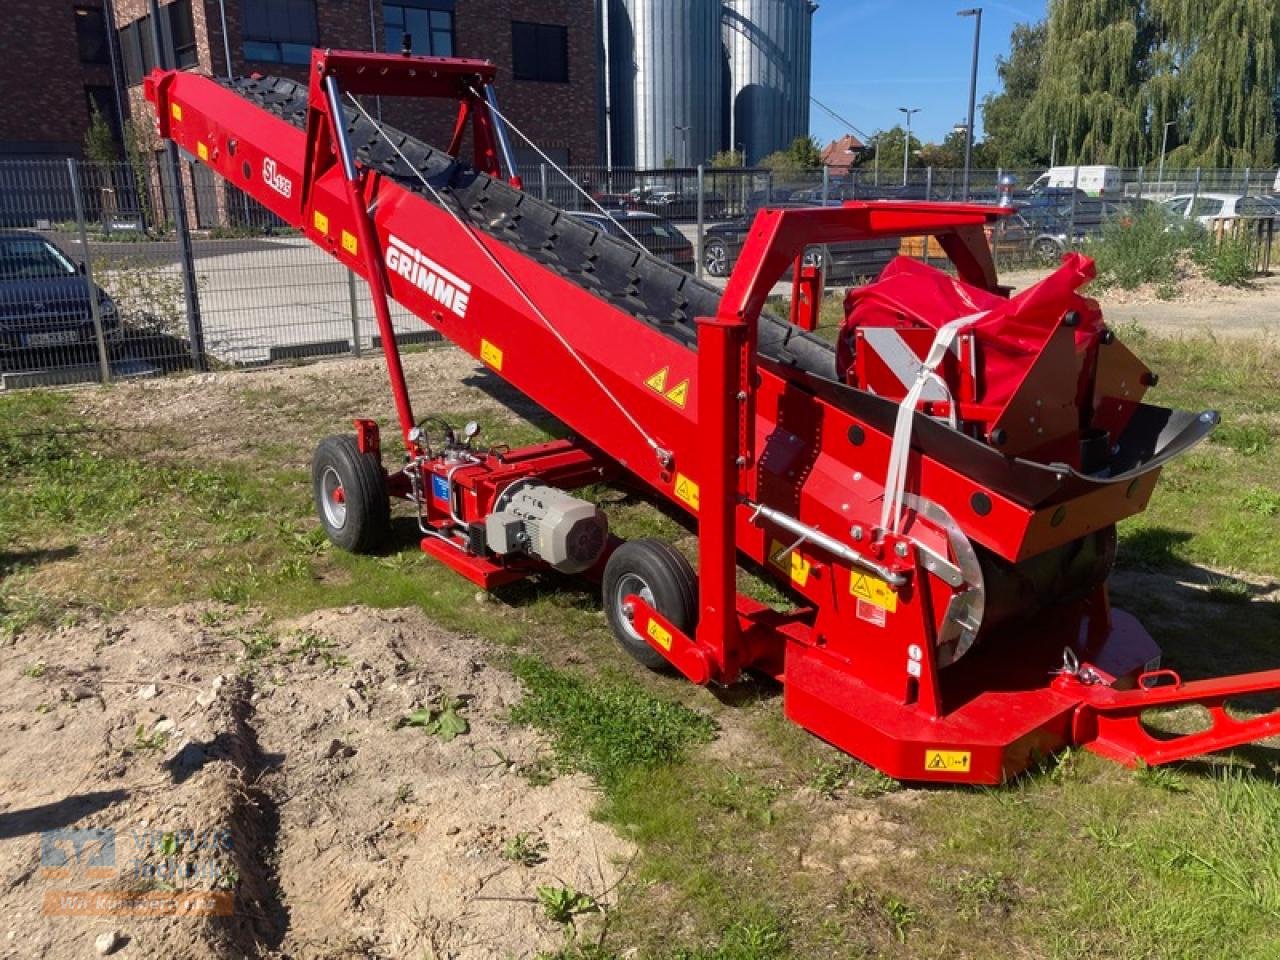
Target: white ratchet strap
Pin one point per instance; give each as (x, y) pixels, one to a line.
(900, 452)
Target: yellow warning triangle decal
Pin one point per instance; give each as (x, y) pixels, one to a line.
(937, 763)
(860, 588)
(679, 394)
(658, 381)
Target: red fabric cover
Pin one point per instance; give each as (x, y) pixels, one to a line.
(911, 294)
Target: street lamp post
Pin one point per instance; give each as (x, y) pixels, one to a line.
(683, 130)
(1164, 146)
(906, 143)
(976, 13)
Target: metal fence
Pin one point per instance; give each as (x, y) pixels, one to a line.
(97, 282)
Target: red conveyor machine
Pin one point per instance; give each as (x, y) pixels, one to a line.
(937, 492)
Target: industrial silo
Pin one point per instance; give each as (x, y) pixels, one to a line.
(664, 81)
(769, 46)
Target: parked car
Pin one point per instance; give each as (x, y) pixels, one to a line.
(1016, 238)
(1207, 207)
(45, 298)
(844, 262)
(1096, 181)
(655, 234)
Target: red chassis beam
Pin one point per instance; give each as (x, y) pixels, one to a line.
(734, 437)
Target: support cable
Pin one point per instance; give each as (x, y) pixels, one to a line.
(664, 456)
(556, 167)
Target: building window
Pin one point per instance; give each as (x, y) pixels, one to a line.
(540, 51)
(182, 33)
(429, 23)
(177, 34)
(138, 52)
(91, 35)
(279, 31)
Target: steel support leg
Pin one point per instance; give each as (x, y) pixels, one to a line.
(722, 393)
(369, 247)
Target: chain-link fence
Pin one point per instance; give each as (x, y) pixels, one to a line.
(97, 282)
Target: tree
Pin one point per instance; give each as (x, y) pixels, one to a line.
(1216, 73)
(887, 145)
(949, 154)
(1008, 139)
(1094, 74)
(728, 160)
(99, 142)
(802, 154)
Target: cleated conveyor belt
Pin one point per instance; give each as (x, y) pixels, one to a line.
(629, 279)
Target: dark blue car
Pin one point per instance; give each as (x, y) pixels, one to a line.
(45, 298)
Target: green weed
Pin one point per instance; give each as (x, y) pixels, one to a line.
(564, 904)
(444, 721)
(1228, 590)
(1246, 439)
(525, 849)
(144, 742)
(606, 727)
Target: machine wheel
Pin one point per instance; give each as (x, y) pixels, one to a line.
(1048, 251)
(350, 495)
(658, 573)
(715, 257)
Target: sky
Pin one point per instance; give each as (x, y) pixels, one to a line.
(872, 56)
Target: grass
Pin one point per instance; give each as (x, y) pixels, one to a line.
(755, 841)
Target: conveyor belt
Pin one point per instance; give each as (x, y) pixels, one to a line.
(631, 280)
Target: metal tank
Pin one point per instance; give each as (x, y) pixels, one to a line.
(769, 45)
(664, 86)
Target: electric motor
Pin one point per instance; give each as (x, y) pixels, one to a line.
(563, 531)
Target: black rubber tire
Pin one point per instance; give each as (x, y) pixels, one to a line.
(1049, 252)
(672, 583)
(722, 263)
(366, 520)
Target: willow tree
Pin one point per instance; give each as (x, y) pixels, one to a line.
(1090, 98)
(1215, 75)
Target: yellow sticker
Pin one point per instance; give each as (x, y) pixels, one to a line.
(873, 590)
(490, 354)
(202, 152)
(176, 111)
(679, 394)
(687, 491)
(947, 761)
(659, 634)
(349, 243)
(795, 564)
(321, 222)
(658, 382)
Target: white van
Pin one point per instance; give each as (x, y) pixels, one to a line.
(1099, 181)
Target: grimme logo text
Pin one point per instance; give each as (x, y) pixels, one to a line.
(450, 291)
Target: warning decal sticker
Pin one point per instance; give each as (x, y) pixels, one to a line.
(659, 634)
(874, 591)
(947, 761)
(794, 563)
(687, 491)
(679, 394)
(491, 354)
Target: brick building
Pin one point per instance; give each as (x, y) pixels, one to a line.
(55, 66)
(545, 51)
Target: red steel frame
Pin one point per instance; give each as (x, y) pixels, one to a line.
(742, 434)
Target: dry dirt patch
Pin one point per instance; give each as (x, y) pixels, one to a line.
(268, 762)
(293, 406)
